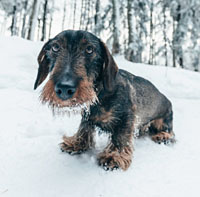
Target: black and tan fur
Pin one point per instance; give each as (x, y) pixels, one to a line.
(82, 71)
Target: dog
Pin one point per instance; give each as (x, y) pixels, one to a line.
(83, 74)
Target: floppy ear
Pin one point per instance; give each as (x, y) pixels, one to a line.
(43, 69)
(110, 69)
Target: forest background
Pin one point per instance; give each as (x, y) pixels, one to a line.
(156, 32)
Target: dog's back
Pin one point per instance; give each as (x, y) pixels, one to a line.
(148, 103)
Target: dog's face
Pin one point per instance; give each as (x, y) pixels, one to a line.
(77, 61)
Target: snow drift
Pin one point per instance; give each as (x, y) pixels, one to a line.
(31, 163)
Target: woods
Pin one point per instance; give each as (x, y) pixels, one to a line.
(164, 32)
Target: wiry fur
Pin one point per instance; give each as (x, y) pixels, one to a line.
(86, 97)
(112, 158)
(111, 99)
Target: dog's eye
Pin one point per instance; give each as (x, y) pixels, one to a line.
(55, 47)
(89, 50)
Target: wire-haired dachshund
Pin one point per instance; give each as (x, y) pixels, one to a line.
(83, 74)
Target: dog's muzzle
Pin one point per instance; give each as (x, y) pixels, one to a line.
(65, 89)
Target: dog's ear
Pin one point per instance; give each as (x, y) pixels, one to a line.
(43, 62)
(110, 69)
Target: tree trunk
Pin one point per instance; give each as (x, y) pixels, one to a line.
(88, 15)
(97, 18)
(23, 32)
(33, 19)
(130, 15)
(165, 35)
(44, 21)
(38, 29)
(173, 46)
(178, 36)
(151, 34)
(179, 49)
(74, 14)
(84, 14)
(13, 27)
(81, 15)
(115, 20)
(64, 15)
(51, 19)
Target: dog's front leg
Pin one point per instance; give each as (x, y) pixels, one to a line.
(118, 153)
(81, 141)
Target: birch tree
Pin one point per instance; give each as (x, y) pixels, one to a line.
(33, 19)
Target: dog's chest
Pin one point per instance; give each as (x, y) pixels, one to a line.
(101, 117)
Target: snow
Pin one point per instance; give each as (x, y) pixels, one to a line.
(31, 163)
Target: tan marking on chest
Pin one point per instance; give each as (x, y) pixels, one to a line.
(104, 116)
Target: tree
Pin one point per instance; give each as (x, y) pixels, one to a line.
(51, 17)
(179, 13)
(131, 30)
(64, 14)
(194, 48)
(136, 18)
(116, 26)
(12, 8)
(33, 19)
(44, 20)
(97, 18)
(151, 27)
(25, 7)
(74, 16)
(13, 27)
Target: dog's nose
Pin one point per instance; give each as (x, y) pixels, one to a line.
(65, 89)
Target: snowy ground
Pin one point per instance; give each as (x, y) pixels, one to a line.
(31, 164)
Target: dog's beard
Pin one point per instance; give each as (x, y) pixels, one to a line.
(75, 105)
(73, 109)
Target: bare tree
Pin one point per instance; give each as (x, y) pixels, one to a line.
(179, 14)
(13, 27)
(33, 19)
(115, 20)
(64, 14)
(81, 15)
(88, 6)
(97, 18)
(130, 15)
(23, 31)
(177, 36)
(44, 20)
(74, 16)
(165, 33)
(51, 18)
(151, 27)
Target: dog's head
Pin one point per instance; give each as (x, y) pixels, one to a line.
(76, 61)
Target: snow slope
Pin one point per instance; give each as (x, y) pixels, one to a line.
(31, 164)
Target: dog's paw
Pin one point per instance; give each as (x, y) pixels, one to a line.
(163, 137)
(72, 145)
(69, 149)
(108, 163)
(114, 159)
